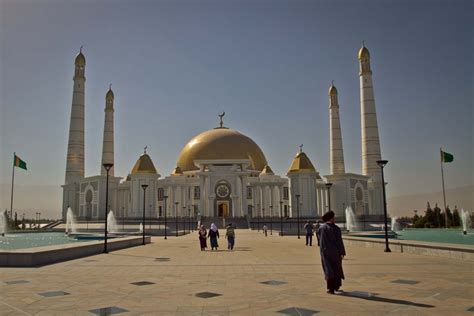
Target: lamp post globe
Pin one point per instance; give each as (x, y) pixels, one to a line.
(382, 164)
(107, 167)
(144, 186)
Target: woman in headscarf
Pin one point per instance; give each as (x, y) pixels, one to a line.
(213, 235)
(203, 237)
(332, 252)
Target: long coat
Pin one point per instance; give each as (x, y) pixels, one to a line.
(331, 248)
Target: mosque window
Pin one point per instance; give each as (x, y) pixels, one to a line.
(197, 193)
(249, 192)
(161, 193)
(285, 193)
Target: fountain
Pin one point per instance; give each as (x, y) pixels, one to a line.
(112, 226)
(3, 224)
(141, 228)
(351, 222)
(395, 226)
(70, 222)
(466, 221)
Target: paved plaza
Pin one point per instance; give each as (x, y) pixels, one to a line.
(262, 276)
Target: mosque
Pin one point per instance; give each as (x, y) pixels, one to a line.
(223, 173)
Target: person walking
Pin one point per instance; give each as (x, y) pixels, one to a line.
(265, 229)
(213, 236)
(309, 233)
(203, 237)
(332, 252)
(230, 235)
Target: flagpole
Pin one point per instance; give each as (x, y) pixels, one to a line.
(444, 193)
(13, 181)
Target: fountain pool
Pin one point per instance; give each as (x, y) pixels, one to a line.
(452, 236)
(32, 240)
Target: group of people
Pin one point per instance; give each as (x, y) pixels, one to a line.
(329, 238)
(213, 236)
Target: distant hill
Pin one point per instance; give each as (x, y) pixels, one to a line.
(462, 197)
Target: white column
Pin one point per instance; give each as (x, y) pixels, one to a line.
(75, 147)
(336, 154)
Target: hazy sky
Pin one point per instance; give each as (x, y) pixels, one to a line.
(174, 65)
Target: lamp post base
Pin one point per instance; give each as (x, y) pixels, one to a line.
(387, 250)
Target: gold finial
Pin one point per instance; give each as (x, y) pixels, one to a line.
(332, 83)
(221, 118)
(110, 86)
(80, 49)
(144, 149)
(363, 43)
(301, 148)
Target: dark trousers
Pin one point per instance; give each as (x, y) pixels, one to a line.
(309, 238)
(230, 241)
(334, 284)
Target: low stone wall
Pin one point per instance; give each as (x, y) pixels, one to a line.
(453, 251)
(51, 254)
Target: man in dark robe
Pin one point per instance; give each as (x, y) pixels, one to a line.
(332, 252)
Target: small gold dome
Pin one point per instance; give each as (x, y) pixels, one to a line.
(221, 143)
(80, 60)
(144, 164)
(267, 170)
(332, 90)
(177, 171)
(364, 53)
(301, 163)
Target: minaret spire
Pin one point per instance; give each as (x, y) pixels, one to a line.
(108, 140)
(75, 148)
(370, 133)
(336, 153)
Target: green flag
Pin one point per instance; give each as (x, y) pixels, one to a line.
(17, 162)
(446, 157)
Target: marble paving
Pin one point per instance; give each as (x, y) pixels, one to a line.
(271, 275)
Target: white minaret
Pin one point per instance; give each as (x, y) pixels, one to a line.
(108, 142)
(370, 132)
(336, 153)
(75, 147)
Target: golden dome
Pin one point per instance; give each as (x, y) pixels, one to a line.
(332, 90)
(301, 163)
(144, 164)
(221, 143)
(80, 60)
(364, 53)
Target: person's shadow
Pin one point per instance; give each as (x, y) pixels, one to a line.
(376, 298)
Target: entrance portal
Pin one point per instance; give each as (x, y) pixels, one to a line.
(223, 208)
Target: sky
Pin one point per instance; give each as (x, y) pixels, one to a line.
(175, 65)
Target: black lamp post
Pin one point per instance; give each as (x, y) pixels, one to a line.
(149, 218)
(281, 218)
(329, 185)
(258, 217)
(382, 164)
(176, 216)
(298, 213)
(184, 219)
(144, 186)
(189, 219)
(107, 167)
(123, 218)
(271, 219)
(165, 198)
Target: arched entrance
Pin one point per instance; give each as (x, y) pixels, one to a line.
(223, 202)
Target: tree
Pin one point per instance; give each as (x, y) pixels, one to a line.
(456, 218)
(449, 216)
